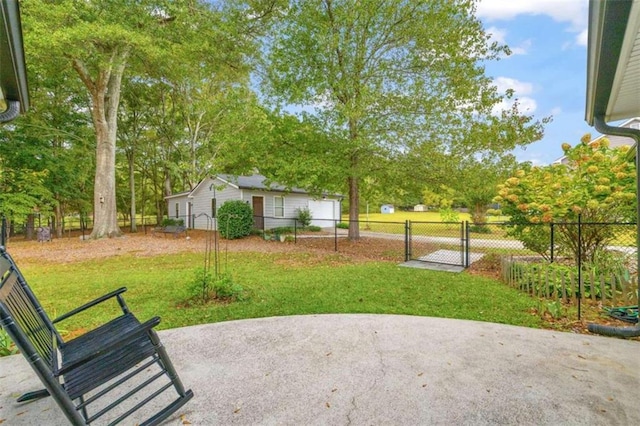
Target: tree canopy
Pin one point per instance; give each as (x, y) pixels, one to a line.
(375, 99)
(388, 83)
(185, 45)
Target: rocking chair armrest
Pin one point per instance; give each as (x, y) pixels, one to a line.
(110, 345)
(115, 293)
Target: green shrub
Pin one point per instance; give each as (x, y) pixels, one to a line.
(169, 221)
(494, 212)
(480, 229)
(205, 287)
(342, 225)
(201, 284)
(226, 289)
(282, 230)
(304, 217)
(235, 219)
(543, 278)
(313, 228)
(449, 215)
(553, 308)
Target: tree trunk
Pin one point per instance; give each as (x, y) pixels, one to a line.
(105, 217)
(29, 231)
(166, 192)
(105, 99)
(354, 188)
(132, 189)
(479, 214)
(57, 219)
(354, 208)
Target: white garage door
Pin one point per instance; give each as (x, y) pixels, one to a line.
(322, 212)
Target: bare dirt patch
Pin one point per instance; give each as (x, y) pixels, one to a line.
(73, 248)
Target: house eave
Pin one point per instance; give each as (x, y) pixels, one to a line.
(13, 71)
(613, 37)
(613, 83)
(180, 194)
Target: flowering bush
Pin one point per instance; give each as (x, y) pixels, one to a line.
(597, 182)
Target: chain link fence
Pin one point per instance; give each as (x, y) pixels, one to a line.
(437, 242)
(573, 262)
(559, 261)
(69, 226)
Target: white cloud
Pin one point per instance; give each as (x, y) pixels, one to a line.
(556, 111)
(572, 11)
(499, 35)
(496, 34)
(582, 38)
(519, 87)
(526, 105)
(522, 49)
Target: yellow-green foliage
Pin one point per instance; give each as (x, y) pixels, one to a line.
(597, 184)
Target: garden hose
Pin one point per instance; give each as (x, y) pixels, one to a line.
(624, 313)
(608, 330)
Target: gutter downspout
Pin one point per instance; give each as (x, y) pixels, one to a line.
(605, 129)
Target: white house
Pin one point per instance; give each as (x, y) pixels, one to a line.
(273, 204)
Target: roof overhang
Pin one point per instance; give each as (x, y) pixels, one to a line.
(613, 83)
(613, 62)
(13, 74)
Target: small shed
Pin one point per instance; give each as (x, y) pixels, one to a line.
(419, 208)
(387, 209)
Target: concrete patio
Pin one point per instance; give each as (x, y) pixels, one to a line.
(379, 370)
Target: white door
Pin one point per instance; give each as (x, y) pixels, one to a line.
(322, 213)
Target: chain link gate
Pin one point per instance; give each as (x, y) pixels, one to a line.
(438, 242)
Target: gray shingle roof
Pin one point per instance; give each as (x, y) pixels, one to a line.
(258, 182)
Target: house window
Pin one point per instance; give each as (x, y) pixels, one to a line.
(278, 206)
(177, 210)
(213, 207)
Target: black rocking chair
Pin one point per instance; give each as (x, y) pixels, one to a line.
(116, 368)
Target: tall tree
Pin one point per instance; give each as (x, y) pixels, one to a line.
(98, 41)
(476, 182)
(134, 122)
(382, 79)
(209, 96)
(51, 143)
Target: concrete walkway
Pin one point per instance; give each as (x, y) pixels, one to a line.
(380, 370)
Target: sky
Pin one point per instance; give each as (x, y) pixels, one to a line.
(547, 67)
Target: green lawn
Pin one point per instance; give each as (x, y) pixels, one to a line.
(275, 284)
(402, 216)
(427, 223)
